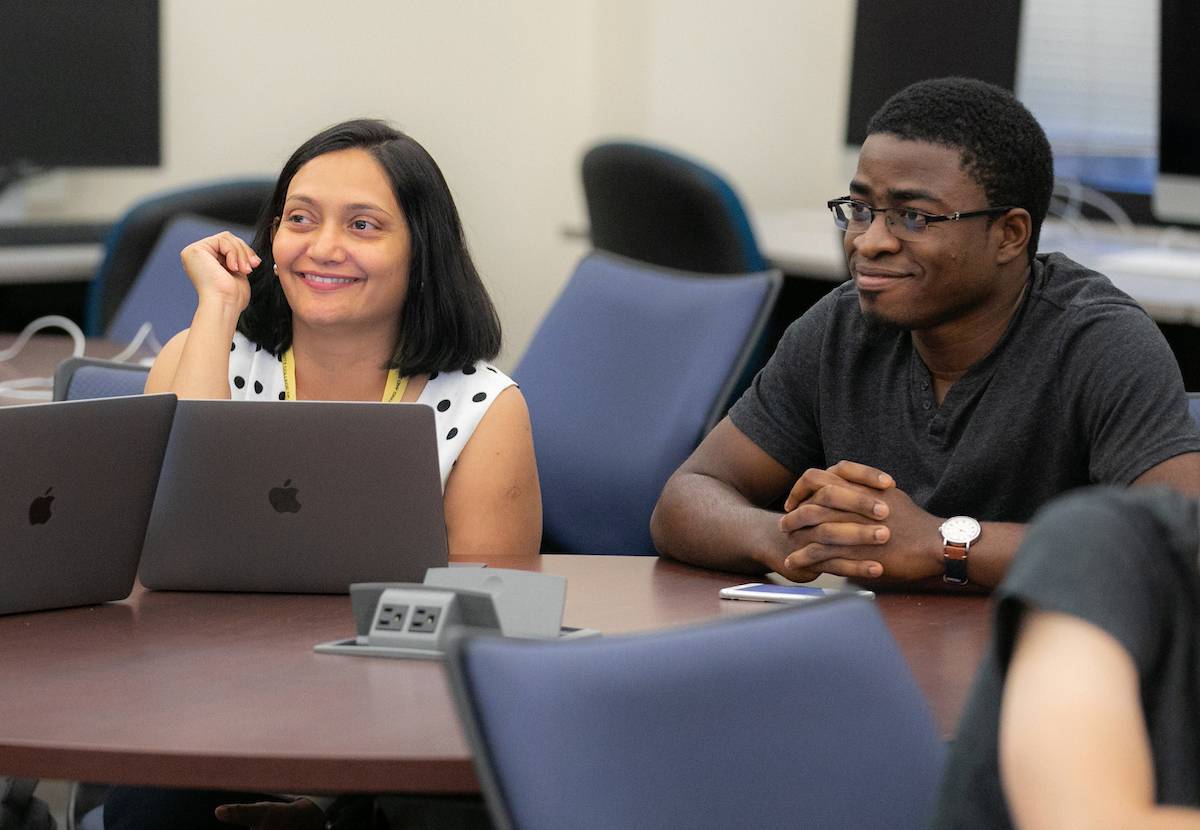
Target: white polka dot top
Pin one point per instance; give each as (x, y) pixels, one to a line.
(459, 399)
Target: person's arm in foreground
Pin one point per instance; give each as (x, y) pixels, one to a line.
(1073, 745)
(195, 362)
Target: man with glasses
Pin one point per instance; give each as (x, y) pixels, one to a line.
(913, 420)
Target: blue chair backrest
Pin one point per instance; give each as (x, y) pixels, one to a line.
(131, 239)
(162, 294)
(1194, 405)
(77, 378)
(657, 206)
(621, 378)
(801, 717)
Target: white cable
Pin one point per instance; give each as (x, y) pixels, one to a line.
(38, 389)
(40, 323)
(145, 334)
(41, 389)
(1076, 195)
(28, 389)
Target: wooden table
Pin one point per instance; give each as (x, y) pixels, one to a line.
(225, 691)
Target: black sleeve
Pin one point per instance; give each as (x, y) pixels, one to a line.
(1112, 557)
(779, 410)
(1123, 385)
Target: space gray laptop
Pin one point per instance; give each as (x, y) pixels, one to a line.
(296, 497)
(78, 483)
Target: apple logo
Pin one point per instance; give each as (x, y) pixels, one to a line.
(39, 508)
(283, 499)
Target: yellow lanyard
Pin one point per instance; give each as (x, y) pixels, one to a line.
(393, 390)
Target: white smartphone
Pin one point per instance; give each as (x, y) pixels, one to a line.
(766, 592)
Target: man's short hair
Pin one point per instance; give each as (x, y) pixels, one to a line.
(1003, 147)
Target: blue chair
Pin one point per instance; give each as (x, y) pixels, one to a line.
(1194, 405)
(77, 378)
(801, 717)
(162, 294)
(650, 204)
(132, 238)
(628, 371)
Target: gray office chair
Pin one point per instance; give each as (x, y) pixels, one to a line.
(77, 378)
(802, 717)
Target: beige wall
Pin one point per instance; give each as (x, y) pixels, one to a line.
(506, 95)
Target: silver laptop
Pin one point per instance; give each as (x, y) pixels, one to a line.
(296, 496)
(78, 482)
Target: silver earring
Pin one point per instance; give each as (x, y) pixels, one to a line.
(275, 268)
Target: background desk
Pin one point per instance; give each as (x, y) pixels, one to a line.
(224, 691)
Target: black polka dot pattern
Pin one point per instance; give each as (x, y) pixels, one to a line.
(443, 405)
(282, 396)
(239, 382)
(453, 432)
(479, 397)
(232, 346)
(469, 370)
(433, 375)
(258, 387)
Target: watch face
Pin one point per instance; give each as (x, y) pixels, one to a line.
(960, 529)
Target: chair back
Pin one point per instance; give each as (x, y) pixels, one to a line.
(1194, 405)
(653, 205)
(132, 238)
(77, 378)
(630, 368)
(802, 717)
(162, 294)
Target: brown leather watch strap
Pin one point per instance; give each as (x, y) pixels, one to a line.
(956, 563)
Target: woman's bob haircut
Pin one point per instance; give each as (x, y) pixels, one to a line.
(447, 321)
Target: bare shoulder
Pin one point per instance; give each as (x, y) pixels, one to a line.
(507, 419)
(162, 373)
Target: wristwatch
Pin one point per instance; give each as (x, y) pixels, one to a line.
(958, 533)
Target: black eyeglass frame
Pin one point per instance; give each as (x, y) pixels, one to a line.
(926, 218)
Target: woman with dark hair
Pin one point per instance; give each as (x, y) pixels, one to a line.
(358, 286)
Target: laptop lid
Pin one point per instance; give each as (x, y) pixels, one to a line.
(79, 482)
(296, 496)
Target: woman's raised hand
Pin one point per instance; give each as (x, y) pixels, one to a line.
(218, 267)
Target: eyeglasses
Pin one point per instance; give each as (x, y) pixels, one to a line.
(853, 216)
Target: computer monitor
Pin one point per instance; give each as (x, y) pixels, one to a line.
(80, 85)
(1177, 188)
(1089, 85)
(897, 44)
